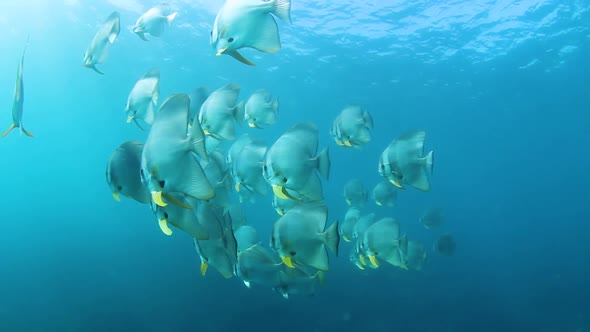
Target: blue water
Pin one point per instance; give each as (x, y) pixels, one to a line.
(502, 89)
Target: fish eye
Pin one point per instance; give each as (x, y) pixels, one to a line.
(231, 39)
(211, 33)
(162, 183)
(166, 215)
(284, 180)
(265, 167)
(292, 253)
(119, 187)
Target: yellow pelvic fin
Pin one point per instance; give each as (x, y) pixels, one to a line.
(373, 260)
(221, 51)
(129, 118)
(280, 192)
(237, 187)
(345, 238)
(339, 142)
(363, 260)
(240, 58)
(397, 184)
(177, 202)
(251, 125)
(204, 267)
(288, 261)
(360, 266)
(164, 227)
(347, 143)
(348, 202)
(206, 132)
(116, 196)
(280, 211)
(403, 266)
(379, 203)
(157, 198)
(4, 134)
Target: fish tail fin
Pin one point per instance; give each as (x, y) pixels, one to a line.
(171, 18)
(238, 112)
(4, 134)
(323, 160)
(282, 10)
(26, 132)
(197, 139)
(430, 161)
(333, 238)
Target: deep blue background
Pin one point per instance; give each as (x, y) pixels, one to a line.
(511, 167)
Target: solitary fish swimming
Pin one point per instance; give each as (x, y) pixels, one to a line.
(19, 99)
(219, 111)
(154, 21)
(98, 49)
(249, 23)
(355, 193)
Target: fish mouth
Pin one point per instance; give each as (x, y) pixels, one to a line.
(221, 51)
(288, 261)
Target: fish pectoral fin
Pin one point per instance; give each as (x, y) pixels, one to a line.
(236, 55)
(4, 134)
(164, 227)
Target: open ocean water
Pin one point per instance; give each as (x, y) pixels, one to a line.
(502, 89)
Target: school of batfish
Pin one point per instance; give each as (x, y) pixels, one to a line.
(191, 182)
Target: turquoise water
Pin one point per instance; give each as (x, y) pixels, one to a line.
(501, 89)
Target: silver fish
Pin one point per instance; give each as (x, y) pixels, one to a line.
(248, 23)
(347, 227)
(261, 109)
(352, 127)
(19, 99)
(143, 98)
(384, 194)
(300, 236)
(384, 241)
(355, 193)
(168, 160)
(219, 110)
(154, 21)
(432, 218)
(291, 162)
(123, 171)
(403, 161)
(259, 265)
(98, 49)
